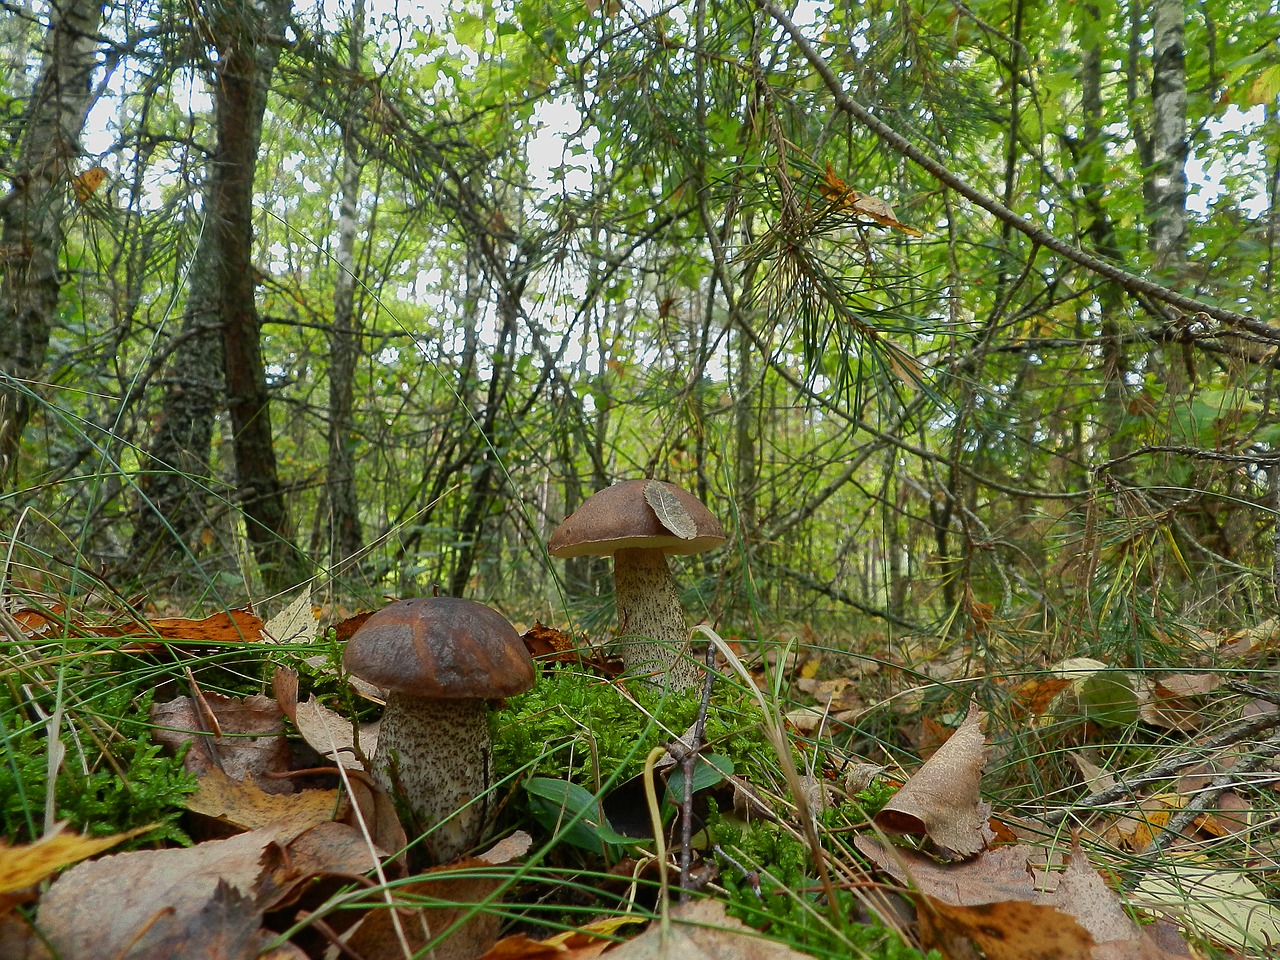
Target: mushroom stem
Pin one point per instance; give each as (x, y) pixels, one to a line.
(651, 624)
(437, 756)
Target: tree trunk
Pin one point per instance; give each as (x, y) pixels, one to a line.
(1091, 164)
(346, 537)
(482, 493)
(1168, 177)
(32, 213)
(247, 56)
(174, 485)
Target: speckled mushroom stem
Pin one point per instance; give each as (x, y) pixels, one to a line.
(437, 755)
(653, 635)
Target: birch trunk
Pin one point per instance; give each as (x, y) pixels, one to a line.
(32, 215)
(1168, 183)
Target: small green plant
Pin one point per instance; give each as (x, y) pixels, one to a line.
(769, 877)
(105, 784)
(583, 728)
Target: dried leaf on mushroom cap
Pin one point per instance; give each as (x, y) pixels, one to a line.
(622, 517)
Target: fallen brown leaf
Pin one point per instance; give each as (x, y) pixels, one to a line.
(1005, 875)
(328, 732)
(942, 799)
(27, 864)
(232, 626)
(584, 943)
(203, 901)
(463, 892)
(244, 804)
(1012, 930)
(244, 737)
(701, 930)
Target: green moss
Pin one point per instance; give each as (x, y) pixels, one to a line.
(772, 887)
(137, 784)
(580, 727)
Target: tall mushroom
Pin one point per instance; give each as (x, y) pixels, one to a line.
(441, 660)
(639, 522)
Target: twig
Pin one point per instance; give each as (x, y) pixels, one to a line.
(1249, 690)
(687, 763)
(1234, 734)
(1203, 800)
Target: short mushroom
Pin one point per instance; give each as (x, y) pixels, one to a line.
(440, 659)
(621, 521)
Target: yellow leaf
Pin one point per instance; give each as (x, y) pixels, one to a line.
(89, 181)
(1266, 85)
(28, 864)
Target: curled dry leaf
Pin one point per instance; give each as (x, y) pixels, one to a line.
(859, 776)
(327, 732)
(231, 626)
(700, 930)
(670, 511)
(458, 886)
(942, 800)
(1011, 930)
(165, 903)
(1172, 704)
(549, 644)
(1005, 875)
(196, 902)
(1224, 906)
(1095, 777)
(296, 623)
(27, 864)
(331, 735)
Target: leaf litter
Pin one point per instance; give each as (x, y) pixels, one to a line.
(982, 892)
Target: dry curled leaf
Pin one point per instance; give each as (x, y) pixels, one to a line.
(241, 736)
(244, 804)
(701, 930)
(1011, 930)
(27, 864)
(296, 623)
(942, 800)
(670, 511)
(167, 903)
(861, 205)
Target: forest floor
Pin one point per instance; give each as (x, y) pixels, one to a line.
(977, 796)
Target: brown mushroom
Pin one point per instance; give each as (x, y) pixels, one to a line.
(621, 521)
(440, 659)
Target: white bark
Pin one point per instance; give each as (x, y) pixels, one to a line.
(347, 536)
(32, 234)
(1168, 183)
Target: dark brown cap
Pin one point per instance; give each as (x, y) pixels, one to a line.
(621, 518)
(440, 648)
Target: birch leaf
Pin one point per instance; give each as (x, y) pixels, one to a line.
(671, 512)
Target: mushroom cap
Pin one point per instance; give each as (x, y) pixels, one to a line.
(440, 648)
(620, 518)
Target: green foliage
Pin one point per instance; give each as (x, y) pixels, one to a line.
(104, 785)
(583, 728)
(780, 894)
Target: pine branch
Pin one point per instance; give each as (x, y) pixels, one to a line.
(899, 143)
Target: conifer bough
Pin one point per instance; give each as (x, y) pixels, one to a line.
(624, 521)
(441, 660)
